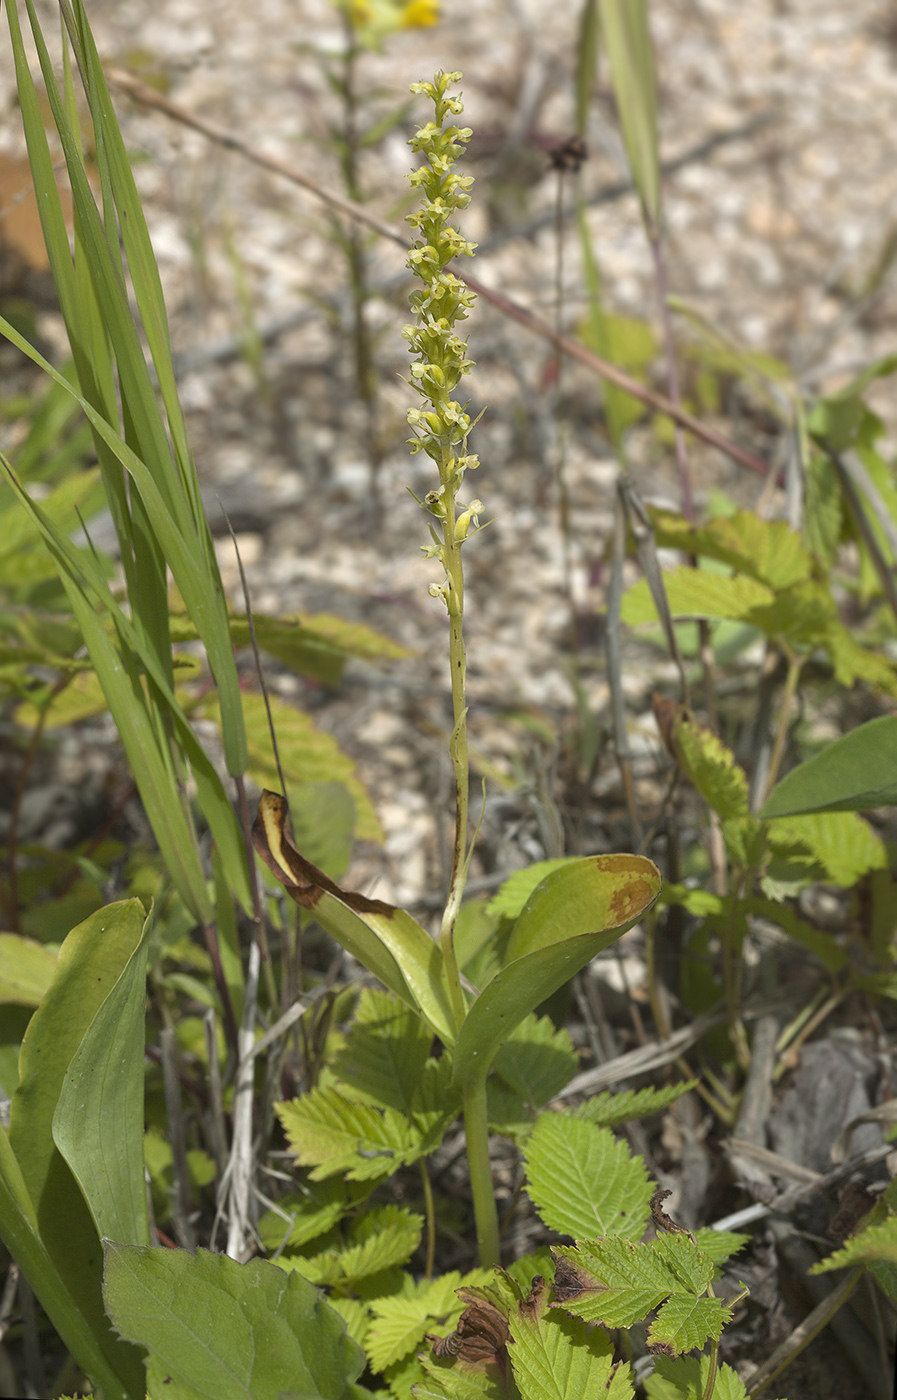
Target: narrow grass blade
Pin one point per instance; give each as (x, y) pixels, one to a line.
(627, 38)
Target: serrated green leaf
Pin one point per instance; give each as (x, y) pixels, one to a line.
(436, 1103)
(324, 825)
(509, 899)
(26, 969)
(605, 1110)
(384, 1238)
(617, 1283)
(396, 1332)
(695, 593)
(354, 1314)
(384, 1052)
(686, 1378)
(332, 1132)
(219, 1330)
(441, 1381)
(583, 1181)
(508, 1114)
(399, 1323)
(769, 551)
(840, 843)
(876, 1242)
(313, 1212)
(537, 1060)
(855, 772)
(720, 1245)
(558, 1357)
(707, 763)
(685, 1323)
(853, 662)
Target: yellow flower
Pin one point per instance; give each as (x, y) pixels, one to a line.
(374, 19)
(420, 14)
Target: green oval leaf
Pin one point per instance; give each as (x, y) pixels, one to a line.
(227, 1331)
(853, 773)
(26, 969)
(572, 915)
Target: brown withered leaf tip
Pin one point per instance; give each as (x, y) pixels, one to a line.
(660, 1217)
(481, 1335)
(303, 882)
(530, 1305)
(668, 713)
(570, 1280)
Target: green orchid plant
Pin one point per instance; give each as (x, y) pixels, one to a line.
(577, 909)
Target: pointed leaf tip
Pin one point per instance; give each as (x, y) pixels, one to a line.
(304, 882)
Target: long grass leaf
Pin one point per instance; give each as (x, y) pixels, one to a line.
(586, 62)
(627, 38)
(179, 523)
(137, 729)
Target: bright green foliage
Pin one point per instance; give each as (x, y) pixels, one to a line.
(228, 1331)
(308, 755)
(442, 1383)
(536, 1061)
(313, 1211)
(557, 1357)
(82, 1019)
(509, 899)
(686, 1377)
(26, 969)
(385, 1052)
(697, 593)
(583, 1181)
(855, 772)
(618, 1283)
(391, 1102)
(876, 1242)
(383, 1238)
(384, 1061)
(838, 847)
(606, 1110)
(711, 767)
(332, 1132)
(719, 1245)
(768, 551)
(572, 914)
(354, 1314)
(399, 1322)
(773, 589)
(532, 1067)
